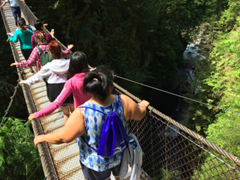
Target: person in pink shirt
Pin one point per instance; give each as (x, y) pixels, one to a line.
(40, 29)
(76, 72)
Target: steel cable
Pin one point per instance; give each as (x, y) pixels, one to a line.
(175, 94)
(10, 104)
(202, 148)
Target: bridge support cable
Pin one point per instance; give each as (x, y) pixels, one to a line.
(167, 134)
(46, 160)
(31, 18)
(185, 129)
(173, 94)
(10, 104)
(189, 156)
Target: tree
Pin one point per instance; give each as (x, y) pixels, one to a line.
(220, 85)
(18, 155)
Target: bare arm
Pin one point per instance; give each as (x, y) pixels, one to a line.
(132, 110)
(54, 105)
(40, 75)
(73, 128)
(3, 4)
(32, 58)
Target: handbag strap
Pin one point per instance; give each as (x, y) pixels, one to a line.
(100, 112)
(88, 144)
(41, 51)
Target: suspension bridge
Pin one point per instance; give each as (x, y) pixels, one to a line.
(171, 150)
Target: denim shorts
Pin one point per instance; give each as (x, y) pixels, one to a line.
(90, 174)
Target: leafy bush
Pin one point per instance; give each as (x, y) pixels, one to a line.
(18, 155)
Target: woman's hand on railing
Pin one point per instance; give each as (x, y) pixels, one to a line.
(14, 64)
(70, 46)
(31, 117)
(144, 104)
(20, 83)
(38, 139)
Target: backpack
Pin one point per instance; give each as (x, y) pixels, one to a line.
(29, 27)
(45, 57)
(114, 138)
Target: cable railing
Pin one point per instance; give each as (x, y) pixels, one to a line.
(31, 18)
(43, 150)
(170, 150)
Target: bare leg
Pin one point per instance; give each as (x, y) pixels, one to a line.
(31, 68)
(71, 107)
(36, 70)
(66, 114)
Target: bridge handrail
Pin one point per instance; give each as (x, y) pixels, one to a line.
(166, 147)
(43, 149)
(31, 18)
(185, 129)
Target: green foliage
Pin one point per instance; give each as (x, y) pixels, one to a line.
(168, 174)
(220, 85)
(225, 83)
(18, 156)
(215, 8)
(140, 40)
(212, 168)
(230, 17)
(8, 80)
(201, 116)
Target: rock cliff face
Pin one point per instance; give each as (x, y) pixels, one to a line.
(195, 52)
(184, 76)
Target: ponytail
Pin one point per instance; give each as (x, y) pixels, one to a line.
(78, 64)
(22, 23)
(97, 82)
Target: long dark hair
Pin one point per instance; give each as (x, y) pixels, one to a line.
(38, 25)
(98, 81)
(78, 64)
(22, 23)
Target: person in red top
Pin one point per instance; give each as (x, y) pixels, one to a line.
(40, 29)
(35, 55)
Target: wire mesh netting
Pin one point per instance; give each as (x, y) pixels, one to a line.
(168, 152)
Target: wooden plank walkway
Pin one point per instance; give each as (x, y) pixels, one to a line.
(65, 157)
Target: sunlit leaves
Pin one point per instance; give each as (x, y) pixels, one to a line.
(18, 156)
